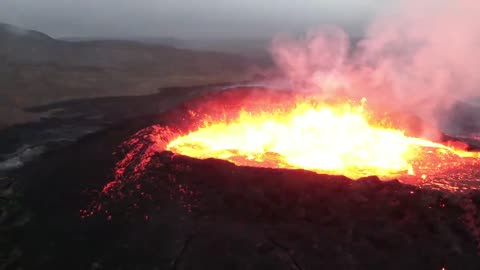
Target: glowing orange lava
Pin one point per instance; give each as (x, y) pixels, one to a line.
(336, 139)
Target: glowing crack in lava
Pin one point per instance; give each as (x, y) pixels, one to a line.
(335, 139)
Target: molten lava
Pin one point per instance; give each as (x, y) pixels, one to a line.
(327, 138)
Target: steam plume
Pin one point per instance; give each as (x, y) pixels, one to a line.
(417, 57)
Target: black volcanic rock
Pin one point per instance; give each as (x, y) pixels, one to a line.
(185, 213)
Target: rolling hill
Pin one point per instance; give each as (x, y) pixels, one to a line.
(36, 69)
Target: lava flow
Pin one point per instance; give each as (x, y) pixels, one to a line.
(287, 130)
(335, 138)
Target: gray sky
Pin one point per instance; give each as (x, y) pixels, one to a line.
(184, 18)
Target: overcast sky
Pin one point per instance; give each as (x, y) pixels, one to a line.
(184, 18)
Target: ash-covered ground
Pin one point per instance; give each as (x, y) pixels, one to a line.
(183, 213)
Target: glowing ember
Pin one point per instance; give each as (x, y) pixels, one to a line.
(336, 139)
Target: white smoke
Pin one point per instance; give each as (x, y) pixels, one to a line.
(419, 56)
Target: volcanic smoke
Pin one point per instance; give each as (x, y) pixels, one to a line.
(418, 57)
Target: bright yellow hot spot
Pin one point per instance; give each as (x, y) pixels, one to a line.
(322, 138)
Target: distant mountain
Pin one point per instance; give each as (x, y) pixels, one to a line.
(32, 47)
(36, 69)
(166, 41)
(11, 31)
(20, 45)
(245, 47)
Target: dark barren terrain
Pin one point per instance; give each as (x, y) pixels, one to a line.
(183, 213)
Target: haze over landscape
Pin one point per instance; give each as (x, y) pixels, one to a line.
(187, 18)
(68, 56)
